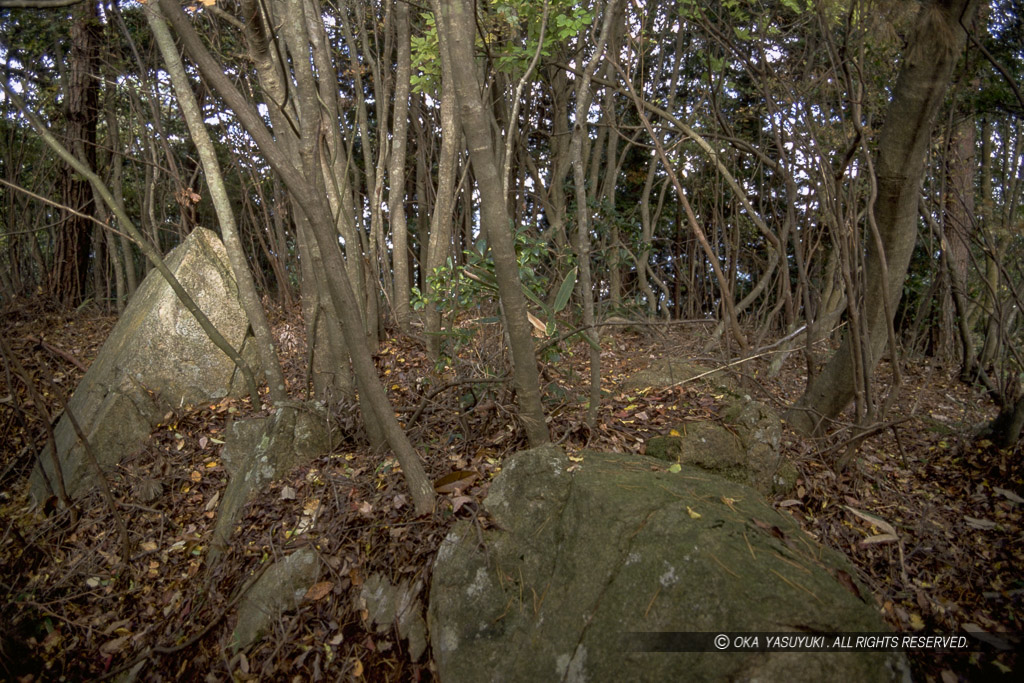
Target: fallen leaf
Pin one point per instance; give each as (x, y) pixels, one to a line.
(1009, 495)
(148, 546)
(318, 591)
(880, 538)
(460, 479)
(196, 476)
(693, 514)
(847, 582)
(983, 524)
(873, 521)
(287, 493)
(112, 647)
(212, 503)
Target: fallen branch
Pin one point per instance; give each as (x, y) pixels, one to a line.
(57, 352)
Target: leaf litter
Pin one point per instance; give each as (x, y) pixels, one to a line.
(929, 514)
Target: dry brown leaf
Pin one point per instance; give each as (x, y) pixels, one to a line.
(112, 647)
(880, 538)
(460, 479)
(874, 521)
(540, 329)
(319, 591)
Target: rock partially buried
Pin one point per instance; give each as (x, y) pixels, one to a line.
(260, 450)
(578, 559)
(280, 588)
(157, 356)
(743, 447)
(396, 608)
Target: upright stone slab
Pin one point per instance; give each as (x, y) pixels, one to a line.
(156, 356)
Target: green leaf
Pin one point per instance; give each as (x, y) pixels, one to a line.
(533, 297)
(565, 291)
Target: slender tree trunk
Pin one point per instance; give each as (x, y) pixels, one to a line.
(579, 134)
(439, 246)
(456, 27)
(931, 54)
(247, 294)
(396, 169)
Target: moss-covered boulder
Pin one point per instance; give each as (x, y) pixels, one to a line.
(666, 372)
(582, 554)
(743, 446)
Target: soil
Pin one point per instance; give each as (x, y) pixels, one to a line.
(927, 509)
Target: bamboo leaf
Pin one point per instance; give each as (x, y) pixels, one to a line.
(565, 291)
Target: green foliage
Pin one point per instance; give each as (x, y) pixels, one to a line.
(426, 60)
(474, 285)
(511, 31)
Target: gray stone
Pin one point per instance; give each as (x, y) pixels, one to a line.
(258, 451)
(744, 447)
(668, 372)
(397, 607)
(279, 589)
(580, 555)
(157, 356)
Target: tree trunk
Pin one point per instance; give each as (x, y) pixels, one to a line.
(74, 233)
(580, 133)
(456, 27)
(933, 51)
(247, 294)
(396, 169)
(439, 245)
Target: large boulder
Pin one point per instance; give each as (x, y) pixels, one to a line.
(157, 356)
(580, 555)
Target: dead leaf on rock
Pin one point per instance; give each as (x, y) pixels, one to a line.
(319, 591)
(880, 538)
(459, 479)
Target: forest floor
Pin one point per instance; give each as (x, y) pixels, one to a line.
(71, 609)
